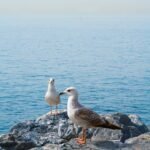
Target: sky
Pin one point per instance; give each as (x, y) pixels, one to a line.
(75, 7)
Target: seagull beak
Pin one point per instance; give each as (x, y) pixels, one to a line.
(61, 93)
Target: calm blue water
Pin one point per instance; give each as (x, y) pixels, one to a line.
(106, 58)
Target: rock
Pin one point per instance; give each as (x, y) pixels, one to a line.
(24, 145)
(7, 141)
(62, 128)
(141, 138)
(58, 132)
(103, 134)
(47, 147)
(141, 142)
(132, 126)
(135, 119)
(148, 128)
(1, 148)
(103, 145)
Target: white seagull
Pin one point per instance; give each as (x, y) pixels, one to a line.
(52, 96)
(83, 116)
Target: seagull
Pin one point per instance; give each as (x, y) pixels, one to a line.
(52, 96)
(83, 116)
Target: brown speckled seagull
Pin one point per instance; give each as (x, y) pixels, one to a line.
(83, 116)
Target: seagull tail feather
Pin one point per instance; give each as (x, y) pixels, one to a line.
(110, 125)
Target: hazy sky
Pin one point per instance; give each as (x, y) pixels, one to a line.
(75, 7)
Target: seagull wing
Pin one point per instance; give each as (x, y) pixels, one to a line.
(89, 116)
(93, 119)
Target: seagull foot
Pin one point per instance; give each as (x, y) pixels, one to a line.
(79, 138)
(81, 141)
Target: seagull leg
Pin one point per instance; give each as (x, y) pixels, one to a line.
(82, 140)
(56, 112)
(51, 110)
(79, 138)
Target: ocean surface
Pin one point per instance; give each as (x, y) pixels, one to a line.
(106, 58)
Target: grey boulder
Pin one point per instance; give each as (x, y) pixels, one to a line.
(58, 132)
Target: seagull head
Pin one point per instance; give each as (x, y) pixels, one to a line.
(71, 91)
(51, 81)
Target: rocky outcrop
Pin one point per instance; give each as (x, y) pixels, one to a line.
(58, 132)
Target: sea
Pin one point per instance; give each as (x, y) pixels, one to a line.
(107, 58)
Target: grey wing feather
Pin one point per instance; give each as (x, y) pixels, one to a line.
(92, 118)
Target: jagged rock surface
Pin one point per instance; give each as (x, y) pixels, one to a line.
(58, 132)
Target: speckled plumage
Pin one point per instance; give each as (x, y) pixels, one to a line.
(83, 116)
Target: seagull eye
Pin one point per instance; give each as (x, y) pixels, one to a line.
(69, 90)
